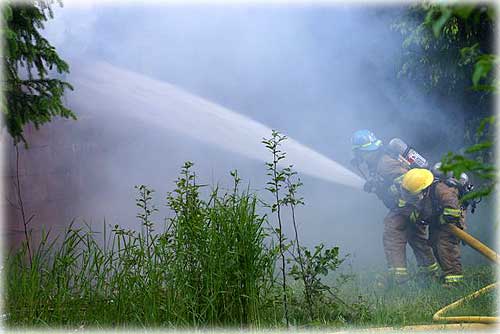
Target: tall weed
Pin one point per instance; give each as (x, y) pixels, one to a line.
(212, 263)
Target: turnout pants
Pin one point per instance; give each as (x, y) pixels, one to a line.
(399, 230)
(446, 247)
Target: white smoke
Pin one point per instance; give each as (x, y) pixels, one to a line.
(101, 86)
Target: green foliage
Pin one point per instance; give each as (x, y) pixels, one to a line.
(210, 266)
(33, 95)
(482, 69)
(446, 47)
(276, 175)
(437, 17)
(306, 266)
(277, 179)
(292, 184)
(292, 200)
(414, 304)
(213, 264)
(221, 265)
(470, 16)
(477, 159)
(143, 203)
(311, 267)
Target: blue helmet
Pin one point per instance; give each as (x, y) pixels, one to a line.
(365, 140)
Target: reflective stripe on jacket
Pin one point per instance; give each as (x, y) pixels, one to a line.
(441, 205)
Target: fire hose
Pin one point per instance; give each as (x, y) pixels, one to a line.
(459, 322)
(490, 255)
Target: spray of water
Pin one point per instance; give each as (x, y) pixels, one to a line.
(101, 86)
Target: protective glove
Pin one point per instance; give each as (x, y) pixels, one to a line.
(370, 186)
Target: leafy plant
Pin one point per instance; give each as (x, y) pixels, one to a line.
(291, 199)
(33, 95)
(451, 20)
(209, 266)
(274, 185)
(447, 47)
(219, 253)
(306, 266)
(448, 52)
(442, 42)
(477, 159)
(212, 264)
(482, 69)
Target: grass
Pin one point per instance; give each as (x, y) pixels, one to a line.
(209, 266)
(415, 303)
(215, 262)
(212, 264)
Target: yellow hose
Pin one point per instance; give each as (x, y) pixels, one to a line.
(465, 322)
(421, 328)
(474, 243)
(488, 253)
(482, 319)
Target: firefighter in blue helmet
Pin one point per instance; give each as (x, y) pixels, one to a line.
(385, 172)
(365, 140)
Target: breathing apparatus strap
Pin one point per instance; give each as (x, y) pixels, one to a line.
(436, 207)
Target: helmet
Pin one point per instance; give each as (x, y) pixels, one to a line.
(365, 140)
(416, 180)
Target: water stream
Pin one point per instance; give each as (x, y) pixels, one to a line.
(101, 86)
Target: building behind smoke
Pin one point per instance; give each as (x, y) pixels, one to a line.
(55, 174)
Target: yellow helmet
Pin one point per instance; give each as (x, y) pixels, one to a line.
(417, 179)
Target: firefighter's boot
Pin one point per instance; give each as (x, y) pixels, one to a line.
(452, 281)
(398, 276)
(428, 275)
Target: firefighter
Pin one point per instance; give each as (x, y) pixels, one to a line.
(437, 204)
(384, 172)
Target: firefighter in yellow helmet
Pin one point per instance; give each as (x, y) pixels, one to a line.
(398, 230)
(437, 204)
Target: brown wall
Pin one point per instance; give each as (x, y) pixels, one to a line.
(52, 174)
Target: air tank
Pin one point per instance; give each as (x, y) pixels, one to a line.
(415, 159)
